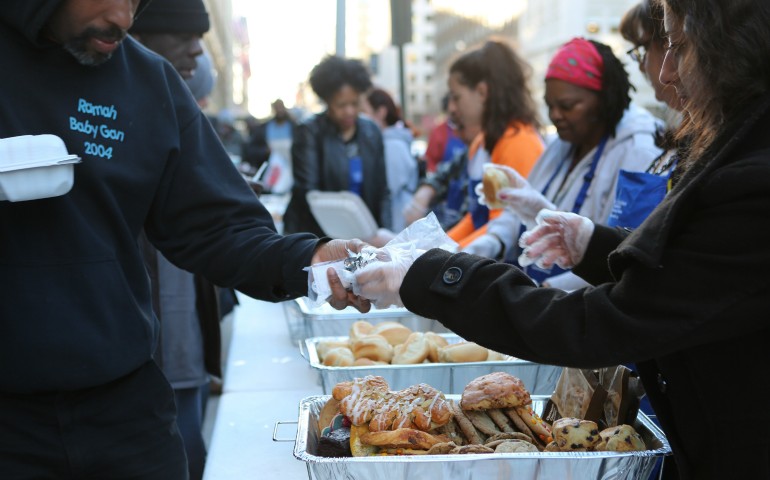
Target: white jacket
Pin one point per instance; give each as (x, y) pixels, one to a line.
(632, 148)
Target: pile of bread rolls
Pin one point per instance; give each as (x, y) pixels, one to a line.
(392, 343)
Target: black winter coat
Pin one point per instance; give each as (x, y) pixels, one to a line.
(319, 162)
(686, 296)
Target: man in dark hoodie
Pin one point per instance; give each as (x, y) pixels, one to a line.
(189, 349)
(80, 396)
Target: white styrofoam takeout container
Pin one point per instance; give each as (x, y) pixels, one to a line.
(34, 167)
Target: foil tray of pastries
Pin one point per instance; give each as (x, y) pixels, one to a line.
(306, 321)
(406, 357)
(368, 430)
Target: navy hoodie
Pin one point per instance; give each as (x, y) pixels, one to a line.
(75, 307)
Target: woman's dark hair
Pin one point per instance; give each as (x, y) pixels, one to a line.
(334, 72)
(507, 75)
(377, 98)
(643, 23)
(614, 97)
(726, 49)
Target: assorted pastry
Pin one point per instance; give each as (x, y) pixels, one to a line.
(494, 415)
(392, 343)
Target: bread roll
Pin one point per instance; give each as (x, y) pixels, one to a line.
(494, 180)
(462, 352)
(359, 329)
(339, 357)
(373, 347)
(414, 350)
(394, 332)
(323, 347)
(435, 341)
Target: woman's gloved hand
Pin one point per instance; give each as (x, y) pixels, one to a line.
(559, 237)
(419, 206)
(380, 280)
(485, 246)
(519, 196)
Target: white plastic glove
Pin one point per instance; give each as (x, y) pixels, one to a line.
(485, 246)
(559, 237)
(524, 200)
(380, 281)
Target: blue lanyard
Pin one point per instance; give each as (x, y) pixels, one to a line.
(587, 178)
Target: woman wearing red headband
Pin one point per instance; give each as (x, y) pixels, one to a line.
(599, 133)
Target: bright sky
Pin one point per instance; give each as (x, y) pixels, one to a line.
(288, 38)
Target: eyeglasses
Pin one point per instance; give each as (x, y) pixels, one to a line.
(638, 53)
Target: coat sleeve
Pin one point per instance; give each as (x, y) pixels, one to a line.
(711, 285)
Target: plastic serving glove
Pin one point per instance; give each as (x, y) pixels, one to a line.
(559, 237)
(485, 246)
(381, 280)
(524, 200)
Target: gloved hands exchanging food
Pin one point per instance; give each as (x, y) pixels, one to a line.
(516, 194)
(559, 237)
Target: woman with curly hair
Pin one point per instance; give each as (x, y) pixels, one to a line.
(338, 149)
(686, 295)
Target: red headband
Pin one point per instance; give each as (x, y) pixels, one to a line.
(579, 63)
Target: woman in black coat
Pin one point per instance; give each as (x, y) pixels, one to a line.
(338, 149)
(686, 296)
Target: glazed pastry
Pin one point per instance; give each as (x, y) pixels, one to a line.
(369, 400)
(367, 362)
(495, 390)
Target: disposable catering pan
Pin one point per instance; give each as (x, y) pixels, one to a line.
(446, 377)
(305, 321)
(521, 466)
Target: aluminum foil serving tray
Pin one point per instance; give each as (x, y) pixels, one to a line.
(521, 466)
(305, 321)
(446, 377)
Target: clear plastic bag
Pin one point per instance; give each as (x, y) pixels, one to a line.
(411, 242)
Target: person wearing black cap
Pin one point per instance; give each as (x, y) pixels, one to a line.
(80, 394)
(186, 304)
